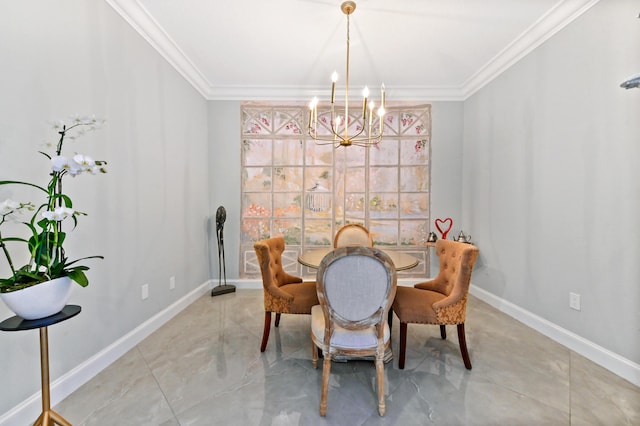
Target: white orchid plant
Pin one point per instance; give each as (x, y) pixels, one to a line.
(47, 259)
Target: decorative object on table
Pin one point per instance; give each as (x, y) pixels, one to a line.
(444, 226)
(44, 282)
(432, 238)
(462, 238)
(221, 217)
(352, 234)
(283, 293)
(334, 129)
(356, 286)
(442, 300)
(48, 417)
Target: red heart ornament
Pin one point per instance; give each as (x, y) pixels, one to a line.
(440, 222)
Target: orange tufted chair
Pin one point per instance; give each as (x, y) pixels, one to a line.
(442, 300)
(283, 293)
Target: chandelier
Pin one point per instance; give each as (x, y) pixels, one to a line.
(366, 130)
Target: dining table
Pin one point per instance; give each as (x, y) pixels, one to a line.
(313, 257)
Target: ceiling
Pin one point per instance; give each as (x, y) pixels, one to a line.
(287, 49)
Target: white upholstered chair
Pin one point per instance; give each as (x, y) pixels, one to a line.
(356, 286)
(352, 234)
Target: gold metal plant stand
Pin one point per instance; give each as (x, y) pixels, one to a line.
(48, 417)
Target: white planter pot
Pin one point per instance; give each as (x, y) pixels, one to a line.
(39, 301)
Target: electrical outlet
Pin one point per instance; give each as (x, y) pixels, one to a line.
(145, 291)
(574, 301)
(172, 283)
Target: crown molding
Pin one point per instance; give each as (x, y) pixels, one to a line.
(558, 17)
(549, 24)
(298, 93)
(139, 18)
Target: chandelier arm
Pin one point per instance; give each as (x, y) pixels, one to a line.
(326, 141)
(367, 144)
(334, 130)
(358, 134)
(331, 138)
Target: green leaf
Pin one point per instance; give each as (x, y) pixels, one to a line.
(16, 182)
(79, 277)
(83, 258)
(65, 199)
(22, 240)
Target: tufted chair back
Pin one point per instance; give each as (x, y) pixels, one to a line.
(269, 253)
(456, 264)
(283, 293)
(352, 234)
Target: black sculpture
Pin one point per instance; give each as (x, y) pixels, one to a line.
(221, 217)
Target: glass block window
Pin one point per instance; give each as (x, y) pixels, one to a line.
(294, 188)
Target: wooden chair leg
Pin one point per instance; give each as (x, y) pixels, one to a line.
(278, 320)
(326, 371)
(314, 354)
(403, 344)
(443, 332)
(463, 346)
(265, 332)
(380, 379)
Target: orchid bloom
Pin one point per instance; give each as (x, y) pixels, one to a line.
(97, 169)
(59, 214)
(60, 163)
(8, 206)
(85, 162)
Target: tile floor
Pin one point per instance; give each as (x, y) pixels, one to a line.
(204, 367)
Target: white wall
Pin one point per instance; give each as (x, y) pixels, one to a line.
(147, 216)
(551, 182)
(225, 171)
(225, 179)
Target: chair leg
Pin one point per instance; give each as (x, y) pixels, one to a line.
(463, 346)
(403, 344)
(326, 371)
(380, 379)
(314, 354)
(267, 328)
(278, 320)
(443, 332)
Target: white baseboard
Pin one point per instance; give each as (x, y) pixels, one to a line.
(28, 410)
(613, 362)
